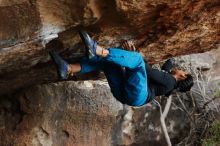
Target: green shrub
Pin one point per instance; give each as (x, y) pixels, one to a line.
(209, 142)
(217, 94)
(213, 138)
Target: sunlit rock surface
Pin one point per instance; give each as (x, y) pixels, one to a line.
(81, 114)
(65, 113)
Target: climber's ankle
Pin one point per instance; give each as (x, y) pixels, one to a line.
(101, 51)
(73, 69)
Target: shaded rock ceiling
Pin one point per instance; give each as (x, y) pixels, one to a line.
(160, 28)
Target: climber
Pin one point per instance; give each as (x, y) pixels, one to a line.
(132, 82)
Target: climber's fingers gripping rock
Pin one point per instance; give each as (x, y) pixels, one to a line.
(128, 45)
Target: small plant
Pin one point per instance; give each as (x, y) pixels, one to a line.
(213, 137)
(208, 142)
(217, 93)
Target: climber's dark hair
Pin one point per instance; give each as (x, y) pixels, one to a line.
(185, 85)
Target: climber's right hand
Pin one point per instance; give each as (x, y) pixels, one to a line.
(128, 45)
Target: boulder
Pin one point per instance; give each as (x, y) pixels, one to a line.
(63, 114)
(80, 114)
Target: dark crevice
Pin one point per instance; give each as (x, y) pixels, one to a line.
(11, 113)
(66, 134)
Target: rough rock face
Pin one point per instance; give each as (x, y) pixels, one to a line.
(160, 28)
(65, 113)
(81, 114)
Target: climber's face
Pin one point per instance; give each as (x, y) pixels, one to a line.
(179, 74)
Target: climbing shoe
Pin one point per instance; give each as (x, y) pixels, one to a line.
(61, 65)
(89, 43)
(168, 65)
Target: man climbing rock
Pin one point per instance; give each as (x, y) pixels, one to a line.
(132, 82)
